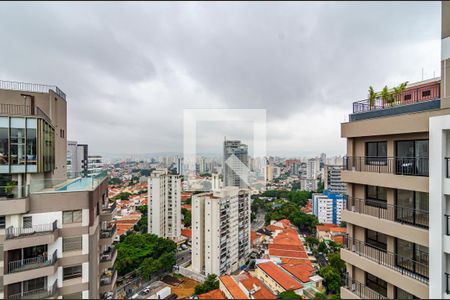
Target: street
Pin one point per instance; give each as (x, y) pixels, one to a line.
(183, 256)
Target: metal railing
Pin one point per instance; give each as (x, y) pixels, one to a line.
(15, 232)
(111, 208)
(447, 163)
(32, 263)
(107, 255)
(108, 277)
(30, 87)
(447, 217)
(414, 166)
(416, 96)
(383, 210)
(108, 233)
(361, 290)
(447, 283)
(40, 293)
(404, 265)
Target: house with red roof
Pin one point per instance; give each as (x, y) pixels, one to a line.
(244, 286)
(277, 279)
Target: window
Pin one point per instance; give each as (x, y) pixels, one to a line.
(412, 207)
(27, 222)
(376, 284)
(72, 216)
(376, 240)
(412, 157)
(376, 196)
(31, 146)
(426, 93)
(407, 97)
(376, 153)
(2, 222)
(401, 294)
(72, 272)
(4, 150)
(412, 257)
(72, 243)
(17, 146)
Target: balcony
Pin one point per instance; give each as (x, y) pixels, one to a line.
(410, 166)
(360, 290)
(40, 293)
(15, 201)
(20, 232)
(32, 263)
(107, 281)
(403, 265)
(107, 235)
(385, 211)
(30, 87)
(107, 259)
(107, 213)
(420, 98)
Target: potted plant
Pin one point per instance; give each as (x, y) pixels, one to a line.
(10, 185)
(398, 90)
(372, 97)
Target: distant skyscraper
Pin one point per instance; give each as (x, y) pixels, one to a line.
(332, 180)
(235, 164)
(95, 165)
(312, 168)
(179, 165)
(164, 208)
(220, 231)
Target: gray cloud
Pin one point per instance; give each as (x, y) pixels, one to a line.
(130, 69)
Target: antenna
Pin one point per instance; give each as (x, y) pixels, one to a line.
(422, 74)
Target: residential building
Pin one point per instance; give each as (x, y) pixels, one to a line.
(244, 286)
(77, 159)
(395, 172)
(268, 173)
(56, 233)
(312, 168)
(95, 165)
(276, 172)
(220, 231)
(332, 179)
(327, 207)
(235, 164)
(179, 166)
(164, 208)
(309, 184)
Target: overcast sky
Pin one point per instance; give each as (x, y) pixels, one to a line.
(129, 69)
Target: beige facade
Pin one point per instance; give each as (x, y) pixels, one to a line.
(51, 226)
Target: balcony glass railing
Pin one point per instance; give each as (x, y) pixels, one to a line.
(383, 210)
(17, 232)
(404, 265)
(361, 290)
(32, 263)
(413, 166)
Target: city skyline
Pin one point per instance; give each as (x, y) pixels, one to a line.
(162, 65)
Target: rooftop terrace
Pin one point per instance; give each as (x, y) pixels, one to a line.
(30, 87)
(420, 96)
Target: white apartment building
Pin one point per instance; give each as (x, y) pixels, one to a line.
(164, 208)
(95, 165)
(332, 179)
(327, 207)
(220, 231)
(77, 159)
(312, 168)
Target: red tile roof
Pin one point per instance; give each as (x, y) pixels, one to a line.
(273, 228)
(262, 291)
(186, 232)
(326, 227)
(281, 277)
(287, 253)
(214, 294)
(232, 287)
(302, 272)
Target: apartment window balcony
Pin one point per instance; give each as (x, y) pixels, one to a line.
(32, 263)
(108, 277)
(39, 293)
(18, 232)
(110, 209)
(404, 265)
(383, 210)
(410, 166)
(107, 255)
(108, 233)
(361, 290)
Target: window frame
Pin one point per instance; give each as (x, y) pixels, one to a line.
(73, 274)
(377, 284)
(379, 160)
(71, 212)
(375, 243)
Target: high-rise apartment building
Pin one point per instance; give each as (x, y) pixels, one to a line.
(332, 179)
(220, 231)
(397, 176)
(95, 165)
(235, 164)
(312, 168)
(164, 208)
(55, 234)
(77, 159)
(328, 207)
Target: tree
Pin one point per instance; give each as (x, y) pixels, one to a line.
(331, 279)
(320, 296)
(115, 181)
(211, 283)
(311, 241)
(187, 217)
(149, 267)
(289, 295)
(122, 196)
(372, 97)
(335, 261)
(322, 247)
(343, 225)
